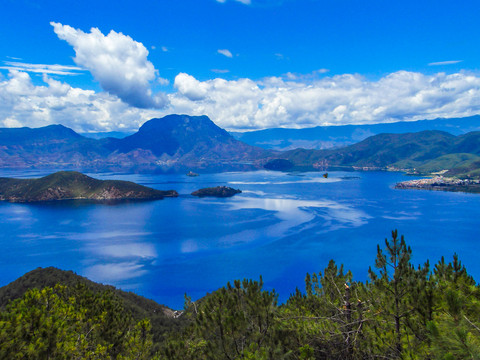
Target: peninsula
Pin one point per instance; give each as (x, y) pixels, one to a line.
(440, 183)
(69, 185)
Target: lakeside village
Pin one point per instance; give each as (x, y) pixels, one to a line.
(441, 183)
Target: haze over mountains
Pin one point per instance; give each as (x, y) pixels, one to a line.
(325, 137)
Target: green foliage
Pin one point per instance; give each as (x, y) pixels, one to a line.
(402, 312)
(449, 161)
(70, 323)
(160, 316)
(235, 322)
(330, 316)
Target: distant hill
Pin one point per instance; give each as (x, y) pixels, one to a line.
(161, 317)
(326, 137)
(65, 185)
(423, 152)
(107, 134)
(173, 143)
(192, 141)
(50, 146)
(182, 143)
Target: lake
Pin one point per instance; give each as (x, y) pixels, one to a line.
(281, 226)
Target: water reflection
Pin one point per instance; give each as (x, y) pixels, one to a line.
(163, 249)
(115, 272)
(295, 216)
(315, 180)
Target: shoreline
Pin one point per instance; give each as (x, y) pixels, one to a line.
(440, 183)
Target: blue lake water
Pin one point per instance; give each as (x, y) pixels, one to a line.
(281, 227)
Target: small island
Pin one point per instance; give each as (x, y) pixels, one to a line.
(440, 183)
(219, 191)
(279, 165)
(72, 185)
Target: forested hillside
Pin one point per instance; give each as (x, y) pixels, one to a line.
(402, 312)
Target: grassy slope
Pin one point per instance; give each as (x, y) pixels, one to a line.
(449, 161)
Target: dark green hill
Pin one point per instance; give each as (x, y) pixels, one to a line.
(162, 318)
(65, 185)
(386, 149)
(468, 170)
(422, 152)
(468, 143)
(445, 162)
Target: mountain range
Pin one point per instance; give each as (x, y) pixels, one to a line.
(172, 143)
(422, 153)
(178, 143)
(325, 137)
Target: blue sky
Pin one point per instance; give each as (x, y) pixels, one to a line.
(247, 64)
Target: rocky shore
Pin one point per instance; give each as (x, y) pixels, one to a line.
(440, 183)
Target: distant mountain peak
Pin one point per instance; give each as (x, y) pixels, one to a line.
(176, 134)
(177, 142)
(174, 121)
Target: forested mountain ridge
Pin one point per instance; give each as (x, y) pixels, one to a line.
(128, 306)
(402, 312)
(423, 152)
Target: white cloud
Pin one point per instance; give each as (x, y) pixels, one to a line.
(190, 88)
(225, 52)
(117, 62)
(164, 49)
(440, 63)
(163, 81)
(42, 68)
(306, 101)
(115, 272)
(220, 71)
(24, 104)
(293, 100)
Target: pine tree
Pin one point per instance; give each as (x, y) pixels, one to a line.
(394, 284)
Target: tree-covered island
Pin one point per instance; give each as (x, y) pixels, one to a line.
(71, 185)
